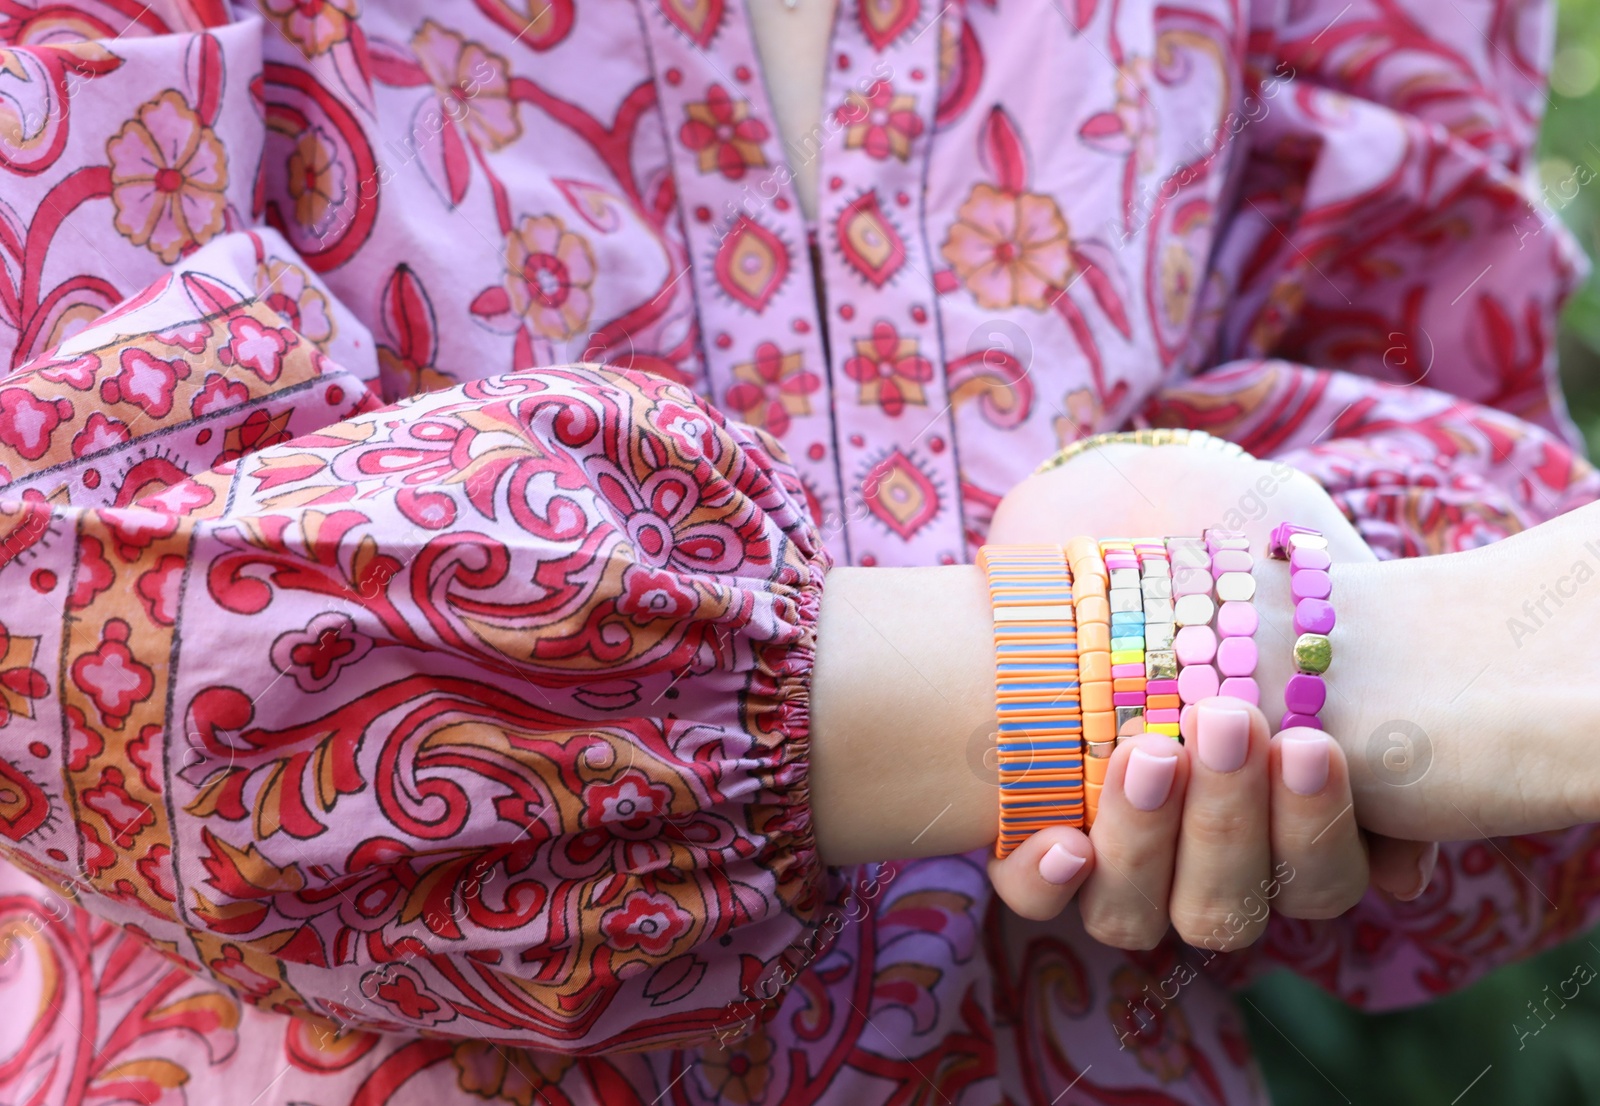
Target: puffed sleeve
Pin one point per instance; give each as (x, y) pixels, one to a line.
(482, 715)
(1384, 315)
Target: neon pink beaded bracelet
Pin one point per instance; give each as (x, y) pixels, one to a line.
(1233, 568)
(1306, 550)
(1194, 608)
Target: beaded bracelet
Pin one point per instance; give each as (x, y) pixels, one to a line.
(1306, 550)
(1127, 635)
(1126, 603)
(1037, 705)
(1234, 571)
(1196, 439)
(1195, 644)
(1160, 659)
(1092, 607)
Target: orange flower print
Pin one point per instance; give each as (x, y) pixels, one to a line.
(721, 131)
(949, 50)
(739, 1074)
(315, 26)
(548, 273)
(1135, 110)
(474, 84)
(315, 180)
(1157, 1034)
(880, 122)
(889, 369)
(169, 178)
(1080, 413)
(287, 289)
(1285, 300)
(24, 101)
(1178, 278)
(1010, 249)
(514, 1075)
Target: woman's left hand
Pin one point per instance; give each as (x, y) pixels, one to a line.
(1210, 836)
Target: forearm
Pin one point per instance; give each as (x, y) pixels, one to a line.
(1464, 714)
(1458, 722)
(902, 711)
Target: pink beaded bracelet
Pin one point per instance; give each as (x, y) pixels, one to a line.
(1306, 550)
(1234, 571)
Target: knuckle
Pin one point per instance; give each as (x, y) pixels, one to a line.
(1122, 935)
(1122, 925)
(1217, 927)
(1220, 823)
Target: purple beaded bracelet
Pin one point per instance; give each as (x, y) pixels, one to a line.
(1306, 550)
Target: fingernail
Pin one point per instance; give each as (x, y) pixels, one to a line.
(1148, 779)
(1224, 737)
(1060, 864)
(1425, 863)
(1305, 763)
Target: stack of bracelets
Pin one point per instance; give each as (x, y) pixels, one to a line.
(1099, 641)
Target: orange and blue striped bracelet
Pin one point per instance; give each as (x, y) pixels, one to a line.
(1037, 690)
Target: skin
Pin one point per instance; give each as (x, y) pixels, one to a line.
(793, 46)
(894, 670)
(903, 689)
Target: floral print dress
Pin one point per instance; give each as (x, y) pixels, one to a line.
(427, 436)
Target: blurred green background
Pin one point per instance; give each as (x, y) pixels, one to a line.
(1571, 138)
(1315, 1050)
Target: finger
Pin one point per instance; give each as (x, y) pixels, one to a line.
(1401, 868)
(1319, 862)
(1042, 874)
(1224, 848)
(1135, 838)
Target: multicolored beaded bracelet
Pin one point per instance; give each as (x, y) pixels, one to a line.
(1126, 601)
(1039, 719)
(1306, 550)
(1160, 659)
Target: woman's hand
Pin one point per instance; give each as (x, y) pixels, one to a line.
(1214, 835)
(1132, 490)
(1211, 835)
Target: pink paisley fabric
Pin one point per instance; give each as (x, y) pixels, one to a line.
(361, 754)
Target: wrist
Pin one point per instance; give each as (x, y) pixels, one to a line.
(1455, 728)
(902, 714)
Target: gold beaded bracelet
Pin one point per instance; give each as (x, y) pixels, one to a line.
(1195, 439)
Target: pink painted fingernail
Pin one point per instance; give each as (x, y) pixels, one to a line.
(1223, 735)
(1060, 864)
(1305, 763)
(1148, 779)
(1425, 863)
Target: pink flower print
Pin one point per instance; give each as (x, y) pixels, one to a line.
(548, 273)
(316, 655)
(169, 178)
(645, 921)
